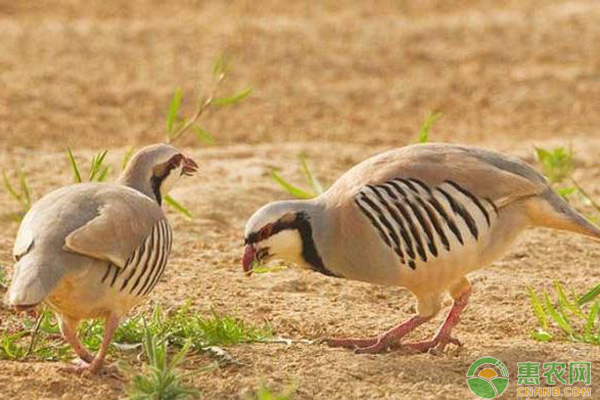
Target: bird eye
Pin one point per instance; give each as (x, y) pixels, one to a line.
(175, 160)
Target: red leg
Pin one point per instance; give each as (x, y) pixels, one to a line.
(68, 328)
(443, 335)
(382, 342)
(112, 322)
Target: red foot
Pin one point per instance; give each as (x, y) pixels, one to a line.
(434, 346)
(382, 342)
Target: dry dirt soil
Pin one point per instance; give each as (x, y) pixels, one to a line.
(338, 81)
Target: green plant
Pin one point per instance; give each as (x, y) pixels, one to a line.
(566, 318)
(19, 192)
(3, 278)
(182, 325)
(98, 171)
(315, 186)
(160, 379)
(177, 125)
(266, 393)
(557, 164)
(22, 344)
(425, 128)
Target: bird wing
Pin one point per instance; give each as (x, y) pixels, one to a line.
(499, 178)
(124, 221)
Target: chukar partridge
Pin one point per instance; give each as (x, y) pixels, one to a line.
(95, 250)
(421, 217)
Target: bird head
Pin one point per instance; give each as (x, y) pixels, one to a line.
(279, 231)
(155, 169)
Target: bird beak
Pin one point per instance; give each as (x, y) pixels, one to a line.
(248, 259)
(189, 166)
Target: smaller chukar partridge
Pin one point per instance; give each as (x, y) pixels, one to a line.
(95, 250)
(420, 217)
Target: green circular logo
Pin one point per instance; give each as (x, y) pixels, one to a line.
(489, 382)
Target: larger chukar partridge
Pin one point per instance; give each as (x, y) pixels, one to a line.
(95, 250)
(421, 217)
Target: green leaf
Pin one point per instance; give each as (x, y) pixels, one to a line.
(177, 206)
(426, 126)
(25, 191)
(220, 65)
(564, 324)
(566, 191)
(538, 309)
(127, 157)
(557, 164)
(591, 319)
(310, 178)
(263, 269)
(204, 136)
(291, 189)
(173, 114)
(74, 167)
(227, 101)
(9, 188)
(589, 296)
(96, 166)
(541, 336)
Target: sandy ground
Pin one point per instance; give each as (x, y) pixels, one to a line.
(338, 81)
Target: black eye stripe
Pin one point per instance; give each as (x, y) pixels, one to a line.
(277, 227)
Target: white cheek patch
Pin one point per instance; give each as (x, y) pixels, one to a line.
(171, 179)
(285, 245)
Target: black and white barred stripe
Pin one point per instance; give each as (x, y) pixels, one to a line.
(418, 221)
(145, 266)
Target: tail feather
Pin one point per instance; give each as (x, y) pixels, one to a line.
(552, 211)
(31, 283)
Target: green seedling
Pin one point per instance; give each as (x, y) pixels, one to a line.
(313, 183)
(177, 125)
(179, 325)
(19, 192)
(557, 164)
(565, 318)
(266, 393)
(427, 125)
(177, 206)
(98, 171)
(160, 378)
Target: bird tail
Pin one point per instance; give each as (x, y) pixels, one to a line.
(552, 211)
(30, 284)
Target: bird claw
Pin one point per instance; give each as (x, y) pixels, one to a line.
(352, 343)
(83, 368)
(434, 347)
(379, 347)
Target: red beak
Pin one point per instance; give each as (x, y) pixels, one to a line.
(248, 259)
(189, 166)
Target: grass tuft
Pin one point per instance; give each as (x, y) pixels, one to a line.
(565, 318)
(19, 192)
(557, 164)
(266, 393)
(160, 378)
(313, 183)
(179, 325)
(427, 125)
(98, 171)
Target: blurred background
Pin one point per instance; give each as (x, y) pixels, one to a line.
(102, 73)
(334, 80)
